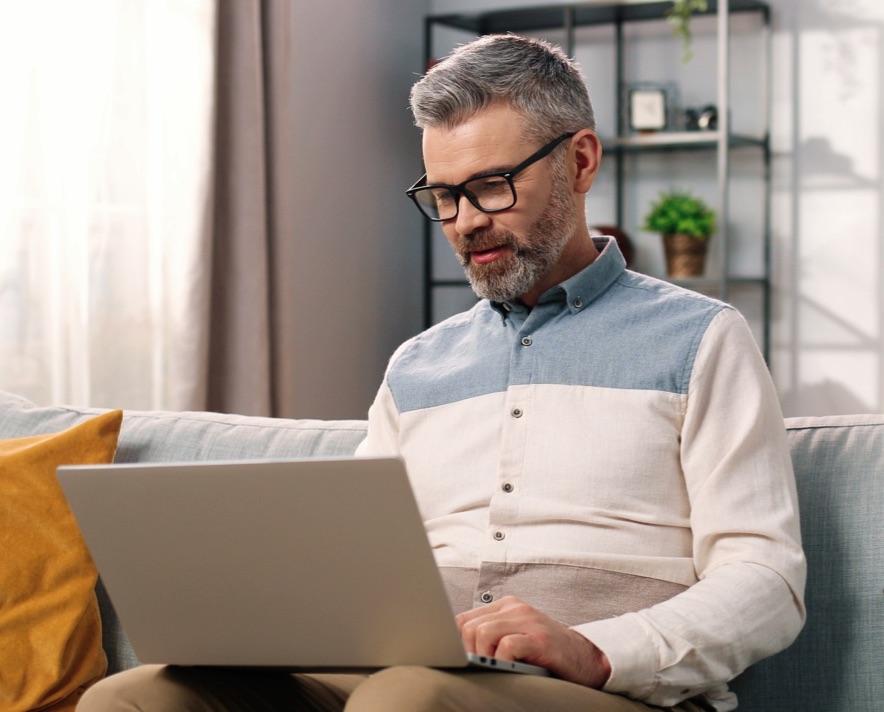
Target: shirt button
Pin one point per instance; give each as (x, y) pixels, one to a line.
(578, 303)
(499, 535)
(516, 412)
(507, 487)
(486, 597)
(526, 341)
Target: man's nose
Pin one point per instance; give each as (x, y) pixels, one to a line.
(469, 217)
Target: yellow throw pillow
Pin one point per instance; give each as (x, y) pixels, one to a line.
(50, 630)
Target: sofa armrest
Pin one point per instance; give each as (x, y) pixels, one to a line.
(837, 660)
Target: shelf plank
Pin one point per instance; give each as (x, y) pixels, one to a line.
(587, 13)
(697, 283)
(677, 140)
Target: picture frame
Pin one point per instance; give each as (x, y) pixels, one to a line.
(648, 107)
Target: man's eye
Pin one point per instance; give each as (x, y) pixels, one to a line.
(443, 197)
(489, 186)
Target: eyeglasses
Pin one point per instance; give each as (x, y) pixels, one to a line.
(490, 193)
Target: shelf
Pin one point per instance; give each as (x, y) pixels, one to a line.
(591, 13)
(705, 284)
(677, 140)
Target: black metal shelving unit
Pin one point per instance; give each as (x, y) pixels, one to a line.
(623, 146)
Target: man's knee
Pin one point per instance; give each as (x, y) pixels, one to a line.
(158, 688)
(411, 688)
(142, 688)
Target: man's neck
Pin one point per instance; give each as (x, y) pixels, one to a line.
(579, 253)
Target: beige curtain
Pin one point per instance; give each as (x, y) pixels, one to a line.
(251, 220)
(147, 152)
(105, 138)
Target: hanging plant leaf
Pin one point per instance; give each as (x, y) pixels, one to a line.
(680, 16)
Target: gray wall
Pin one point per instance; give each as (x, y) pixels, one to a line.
(355, 280)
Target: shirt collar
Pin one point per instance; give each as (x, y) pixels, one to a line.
(585, 286)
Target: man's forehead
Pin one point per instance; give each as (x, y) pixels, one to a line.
(493, 140)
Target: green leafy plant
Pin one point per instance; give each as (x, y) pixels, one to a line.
(679, 212)
(680, 16)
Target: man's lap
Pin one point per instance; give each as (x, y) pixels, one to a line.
(414, 689)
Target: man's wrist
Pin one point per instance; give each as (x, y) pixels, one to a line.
(596, 666)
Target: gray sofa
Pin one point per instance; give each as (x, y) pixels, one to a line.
(837, 662)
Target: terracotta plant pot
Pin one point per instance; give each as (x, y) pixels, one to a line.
(685, 255)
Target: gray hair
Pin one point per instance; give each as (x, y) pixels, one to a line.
(529, 75)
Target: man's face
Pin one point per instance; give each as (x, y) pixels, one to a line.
(515, 253)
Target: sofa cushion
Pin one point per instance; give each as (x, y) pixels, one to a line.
(49, 616)
(836, 663)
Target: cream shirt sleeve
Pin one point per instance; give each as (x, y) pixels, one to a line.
(382, 439)
(748, 602)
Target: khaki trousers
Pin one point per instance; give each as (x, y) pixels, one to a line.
(153, 688)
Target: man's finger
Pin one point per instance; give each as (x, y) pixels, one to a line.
(515, 646)
(487, 634)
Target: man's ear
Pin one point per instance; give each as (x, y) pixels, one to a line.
(587, 158)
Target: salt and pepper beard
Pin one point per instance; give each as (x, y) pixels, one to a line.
(533, 255)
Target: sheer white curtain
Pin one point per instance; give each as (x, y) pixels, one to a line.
(106, 135)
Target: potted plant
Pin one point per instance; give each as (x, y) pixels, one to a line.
(686, 224)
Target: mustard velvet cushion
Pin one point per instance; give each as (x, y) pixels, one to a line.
(50, 630)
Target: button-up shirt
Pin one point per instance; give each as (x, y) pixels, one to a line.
(616, 457)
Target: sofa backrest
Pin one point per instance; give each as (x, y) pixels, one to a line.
(161, 436)
(837, 663)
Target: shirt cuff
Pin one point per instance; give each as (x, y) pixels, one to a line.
(630, 652)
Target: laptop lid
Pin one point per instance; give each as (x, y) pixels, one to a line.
(298, 564)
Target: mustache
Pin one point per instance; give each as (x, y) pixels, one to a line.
(481, 241)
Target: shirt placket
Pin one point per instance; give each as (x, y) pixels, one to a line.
(516, 423)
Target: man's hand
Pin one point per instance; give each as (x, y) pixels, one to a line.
(510, 629)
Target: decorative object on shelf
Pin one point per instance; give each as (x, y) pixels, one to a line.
(680, 16)
(649, 106)
(685, 255)
(686, 224)
(647, 109)
(703, 119)
(623, 241)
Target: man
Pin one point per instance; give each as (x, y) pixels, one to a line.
(598, 456)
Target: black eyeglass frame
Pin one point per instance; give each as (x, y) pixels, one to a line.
(459, 189)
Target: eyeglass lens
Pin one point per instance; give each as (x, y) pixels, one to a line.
(491, 193)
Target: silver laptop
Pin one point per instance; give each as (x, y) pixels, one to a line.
(303, 565)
